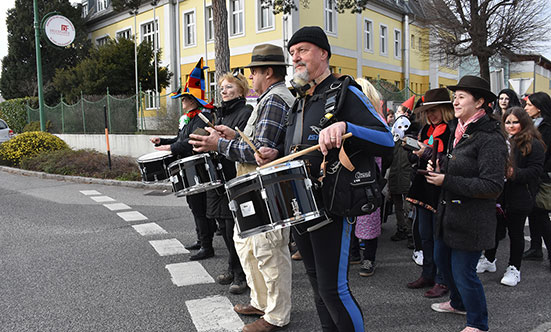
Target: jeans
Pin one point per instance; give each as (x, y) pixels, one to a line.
(427, 222)
(458, 268)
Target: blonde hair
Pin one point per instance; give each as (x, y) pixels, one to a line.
(238, 79)
(372, 94)
(445, 109)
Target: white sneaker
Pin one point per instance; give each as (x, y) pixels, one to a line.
(511, 276)
(485, 265)
(418, 257)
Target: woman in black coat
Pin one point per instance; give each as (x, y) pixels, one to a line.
(506, 98)
(526, 164)
(234, 112)
(471, 180)
(538, 106)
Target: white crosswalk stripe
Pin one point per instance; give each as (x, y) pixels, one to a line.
(190, 273)
(168, 247)
(214, 314)
(117, 206)
(101, 199)
(131, 216)
(149, 229)
(90, 192)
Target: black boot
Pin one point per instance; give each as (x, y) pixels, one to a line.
(533, 255)
(195, 246)
(203, 253)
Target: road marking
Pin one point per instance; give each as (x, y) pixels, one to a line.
(149, 229)
(545, 327)
(214, 313)
(117, 206)
(131, 216)
(101, 199)
(191, 273)
(168, 247)
(90, 192)
(527, 238)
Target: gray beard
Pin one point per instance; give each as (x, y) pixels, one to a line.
(301, 77)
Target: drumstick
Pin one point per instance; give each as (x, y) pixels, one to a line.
(299, 153)
(248, 141)
(204, 118)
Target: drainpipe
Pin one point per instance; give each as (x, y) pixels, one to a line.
(406, 52)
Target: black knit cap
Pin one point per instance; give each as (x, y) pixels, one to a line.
(312, 34)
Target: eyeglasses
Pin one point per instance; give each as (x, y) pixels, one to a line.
(511, 123)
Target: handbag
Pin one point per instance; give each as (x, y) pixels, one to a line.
(543, 197)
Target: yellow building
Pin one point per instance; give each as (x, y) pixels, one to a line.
(530, 73)
(387, 41)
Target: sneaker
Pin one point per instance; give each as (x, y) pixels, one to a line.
(471, 329)
(418, 257)
(238, 286)
(355, 259)
(511, 276)
(368, 268)
(533, 255)
(485, 265)
(446, 307)
(225, 278)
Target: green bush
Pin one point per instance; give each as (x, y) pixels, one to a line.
(14, 112)
(29, 144)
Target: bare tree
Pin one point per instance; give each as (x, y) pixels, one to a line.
(286, 6)
(221, 45)
(484, 28)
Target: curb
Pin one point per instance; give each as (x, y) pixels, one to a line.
(86, 180)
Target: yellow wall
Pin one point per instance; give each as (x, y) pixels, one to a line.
(542, 82)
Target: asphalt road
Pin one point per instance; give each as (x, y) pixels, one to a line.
(68, 263)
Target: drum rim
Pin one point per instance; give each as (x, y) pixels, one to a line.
(190, 158)
(240, 179)
(283, 166)
(166, 155)
(201, 187)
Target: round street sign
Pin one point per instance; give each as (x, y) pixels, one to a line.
(59, 30)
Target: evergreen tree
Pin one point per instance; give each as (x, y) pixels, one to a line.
(19, 66)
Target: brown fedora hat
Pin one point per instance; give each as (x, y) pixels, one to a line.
(267, 55)
(475, 84)
(432, 98)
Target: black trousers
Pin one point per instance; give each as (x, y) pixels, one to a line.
(226, 227)
(325, 257)
(204, 226)
(514, 223)
(540, 226)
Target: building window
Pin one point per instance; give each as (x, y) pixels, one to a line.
(102, 40)
(412, 43)
(330, 15)
(265, 15)
(85, 9)
(384, 39)
(368, 34)
(101, 5)
(126, 34)
(151, 99)
(189, 28)
(397, 83)
(210, 24)
(149, 35)
(236, 17)
(211, 75)
(397, 43)
(420, 44)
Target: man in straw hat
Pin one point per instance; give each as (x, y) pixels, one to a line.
(324, 243)
(265, 257)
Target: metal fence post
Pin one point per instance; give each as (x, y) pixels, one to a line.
(109, 109)
(62, 116)
(82, 108)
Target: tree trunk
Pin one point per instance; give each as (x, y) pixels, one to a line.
(221, 45)
(484, 63)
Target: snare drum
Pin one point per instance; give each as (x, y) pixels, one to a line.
(154, 166)
(195, 174)
(272, 198)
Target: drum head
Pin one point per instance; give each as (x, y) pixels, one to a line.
(282, 167)
(157, 155)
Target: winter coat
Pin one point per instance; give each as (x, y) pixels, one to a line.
(545, 130)
(233, 113)
(399, 177)
(520, 191)
(474, 178)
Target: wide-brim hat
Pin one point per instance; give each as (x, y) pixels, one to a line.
(180, 94)
(475, 83)
(434, 97)
(267, 55)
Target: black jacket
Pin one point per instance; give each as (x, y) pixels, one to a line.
(520, 192)
(234, 113)
(545, 131)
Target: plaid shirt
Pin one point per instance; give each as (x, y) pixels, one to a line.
(269, 132)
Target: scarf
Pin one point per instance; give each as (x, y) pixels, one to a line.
(462, 127)
(184, 119)
(434, 132)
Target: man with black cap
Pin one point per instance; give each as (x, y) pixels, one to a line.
(324, 243)
(265, 257)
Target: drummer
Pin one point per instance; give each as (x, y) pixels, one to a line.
(179, 146)
(234, 112)
(265, 257)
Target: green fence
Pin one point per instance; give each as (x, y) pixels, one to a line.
(390, 92)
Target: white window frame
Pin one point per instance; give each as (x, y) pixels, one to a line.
(383, 39)
(192, 25)
(213, 85)
(101, 5)
(102, 40)
(210, 23)
(260, 10)
(397, 43)
(85, 9)
(329, 15)
(412, 42)
(239, 14)
(144, 35)
(120, 32)
(151, 100)
(368, 35)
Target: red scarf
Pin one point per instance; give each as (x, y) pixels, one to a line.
(435, 132)
(462, 127)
